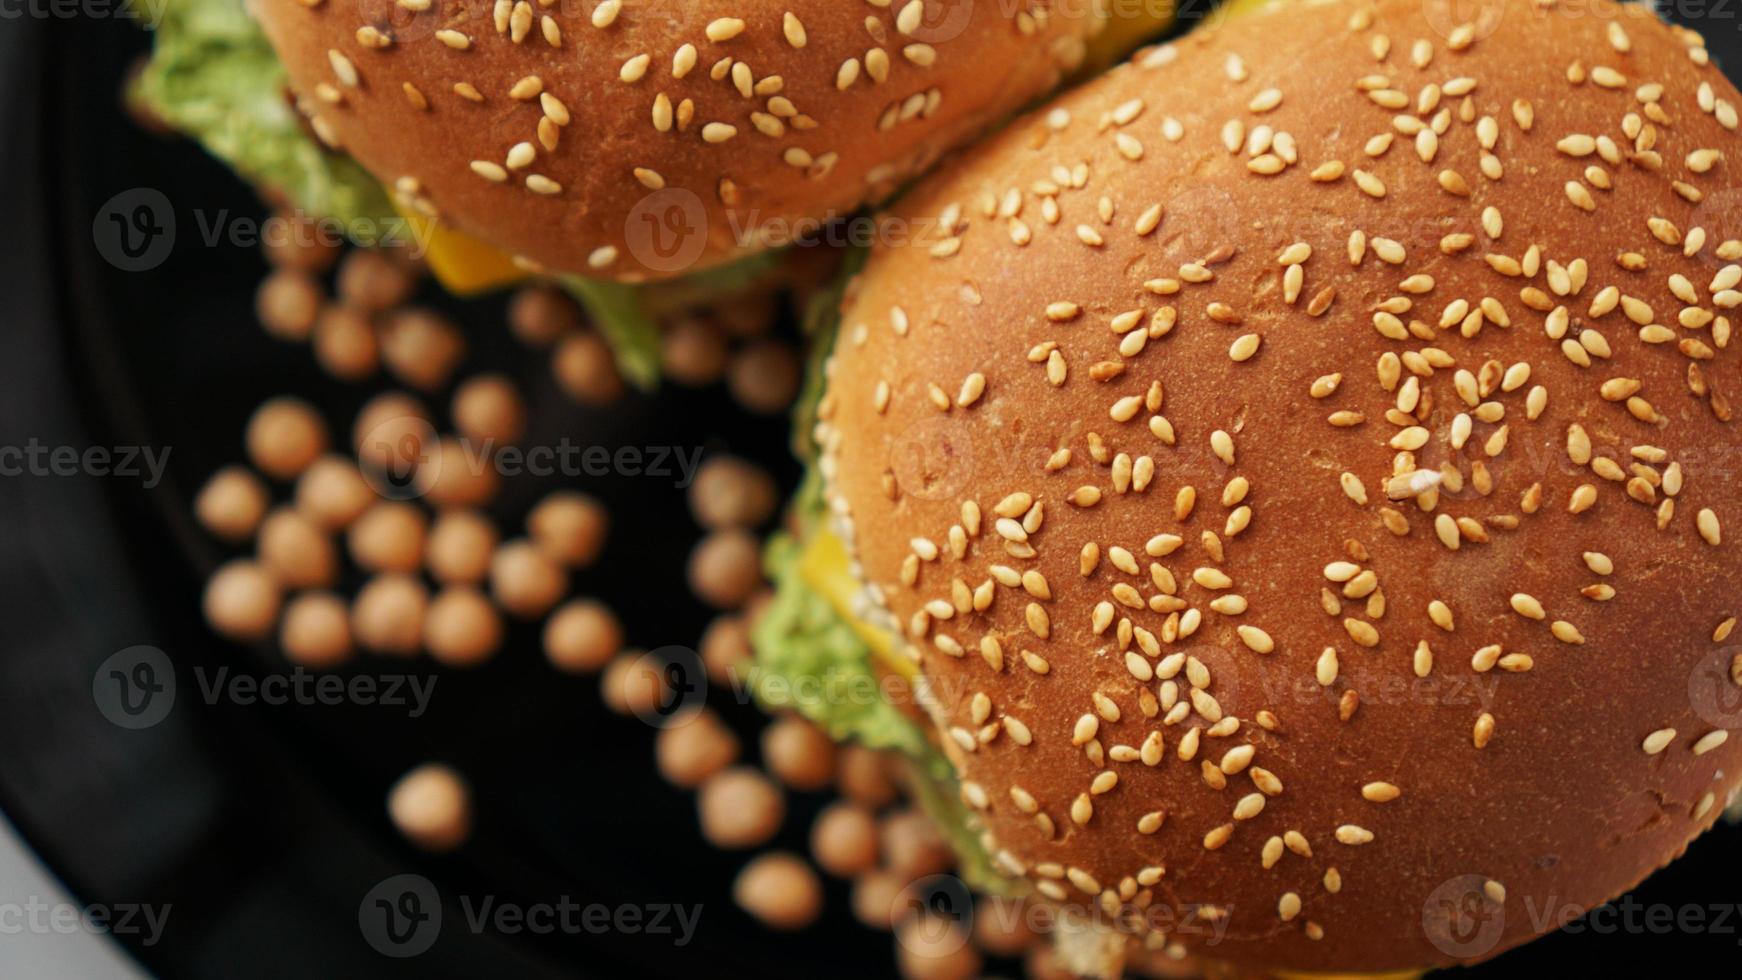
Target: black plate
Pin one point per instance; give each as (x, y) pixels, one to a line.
(262, 828)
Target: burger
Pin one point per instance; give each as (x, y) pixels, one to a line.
(606, 142)
(1280, 502)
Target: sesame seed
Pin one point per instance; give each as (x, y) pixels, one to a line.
(1657, 741)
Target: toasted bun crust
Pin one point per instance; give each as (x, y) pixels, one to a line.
(674, 135)
(1403, 635)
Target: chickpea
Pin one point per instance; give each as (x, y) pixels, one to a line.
(780, 890)
(345, 344)
(284, 436)
(292, 241)
(874, 896)
(695, 749)
(538, 315)
(432, 806)
(458, 475)
(732, 492)
(725, 648)
(1001, 926)
(798, 753)
(387, 615)
(740, 807)
(421, 347)
(296, 551)
(287, 303)
(692, 352)
(459, 546)
(242, 601)
(316, 631)
(862, 776)
(764, 377)
(914, 847)
(631, 685)
(932, 948)
(586, 370)
(569, 527)
(388, 537)
(844, 840)
(231, 504)
(582, 636)
(461, 627)
(372, 281)
(524, 580)
(390, 432)
(333, 493)
(487, 409)
(725, 568)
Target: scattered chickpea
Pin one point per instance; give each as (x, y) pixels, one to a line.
(524, 580)
(242, 600)
(421, 347)
(316, 631)
(725, 568)
(933, 948)
(296, 551)
(538, 315)
(798, 753)
(844, 839)
(862, 776)
(1001, 926)
(345, 344)
(582, 636)
(740, 807)
(292, 241)
(764, 376)
(458, 474)
(874, 896)
(287, 303)
(694, 749)
(284, 436)
(585, 369)
(387, 615)
(461, 628)
(732, 492)
(569, 527)
(232, 503)
(725, 648)
(388, 537)
(432, 806)
(487, 408)
(692, 352)
(333, 493)
(373, 281)
(914, 847)
(458, 548)
(390, 433)
(780, 890)
(631, 685)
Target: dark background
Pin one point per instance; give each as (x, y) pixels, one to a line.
(264, 826)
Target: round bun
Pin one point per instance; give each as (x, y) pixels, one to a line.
(1302, 464)
(630, 140)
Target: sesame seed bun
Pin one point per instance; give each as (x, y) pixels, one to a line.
(1313, 530)
(599, 137)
